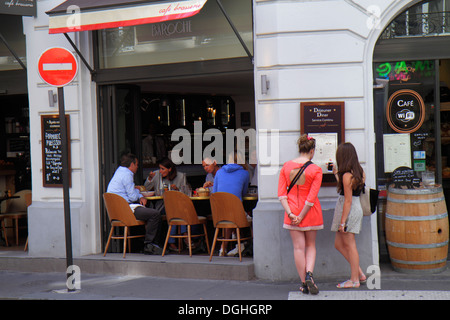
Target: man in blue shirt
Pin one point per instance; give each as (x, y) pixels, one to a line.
(122, 183)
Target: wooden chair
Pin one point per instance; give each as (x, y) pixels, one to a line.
(15, 209)
(180, 211)
(228, 212)
(120, 215)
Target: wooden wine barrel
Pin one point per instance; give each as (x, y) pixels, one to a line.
(417, 230)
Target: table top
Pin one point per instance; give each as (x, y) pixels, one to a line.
(246, 197)
(7, 198)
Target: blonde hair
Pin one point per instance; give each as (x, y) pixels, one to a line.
(306, 143)
(238, 158)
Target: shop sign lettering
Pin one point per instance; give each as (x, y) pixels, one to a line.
(18, 7)
(405, 71)
(167, 29)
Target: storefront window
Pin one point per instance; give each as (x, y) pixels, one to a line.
(12, 30)
(408, 117)
(205, 36)
(161, 114)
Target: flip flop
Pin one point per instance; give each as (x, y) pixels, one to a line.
(342, 285)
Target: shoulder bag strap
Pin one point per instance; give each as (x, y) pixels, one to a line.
(297, 176)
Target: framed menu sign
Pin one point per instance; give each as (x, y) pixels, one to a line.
(51, 150)
(325, 122)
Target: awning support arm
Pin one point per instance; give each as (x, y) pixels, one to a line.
(236, 32)
(92, 71)
(12, 51)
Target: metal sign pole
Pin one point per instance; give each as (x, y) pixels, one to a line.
(65, 175)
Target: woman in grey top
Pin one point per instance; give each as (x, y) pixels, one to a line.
(348, 213)
(167, 176)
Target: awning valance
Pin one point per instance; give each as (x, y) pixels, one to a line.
(83, 15)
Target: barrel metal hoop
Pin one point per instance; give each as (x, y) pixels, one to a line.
(417, 246)
(415, 191)
(423, 263)
(433, 200)
(417, 218)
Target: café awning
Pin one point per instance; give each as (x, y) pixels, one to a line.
(84, 15)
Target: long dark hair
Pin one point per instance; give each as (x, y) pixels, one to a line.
(347, 161)
(167, 163)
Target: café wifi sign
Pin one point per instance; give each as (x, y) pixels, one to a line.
(405, 111)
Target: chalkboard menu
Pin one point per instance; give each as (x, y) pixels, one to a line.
(405, 177)
(51, 150)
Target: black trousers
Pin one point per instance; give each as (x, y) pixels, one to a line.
(153, 219)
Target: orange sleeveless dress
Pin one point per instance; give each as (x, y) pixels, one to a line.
(300, 194)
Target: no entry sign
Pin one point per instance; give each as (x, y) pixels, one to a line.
(57, 66)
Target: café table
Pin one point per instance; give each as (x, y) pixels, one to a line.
(249, 201)
(249, 197)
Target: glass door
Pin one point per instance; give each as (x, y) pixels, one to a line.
(119, 131)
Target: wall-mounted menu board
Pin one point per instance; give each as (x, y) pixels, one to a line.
(52, 150)
(325, 122)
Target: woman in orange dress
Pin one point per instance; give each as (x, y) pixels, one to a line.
(303, 213)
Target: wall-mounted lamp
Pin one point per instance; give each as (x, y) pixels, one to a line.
(265, 84)
(52, 98)
(380, 83)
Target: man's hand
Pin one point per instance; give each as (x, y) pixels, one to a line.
(208, 184)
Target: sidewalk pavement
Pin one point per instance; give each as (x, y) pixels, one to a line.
(52, 286)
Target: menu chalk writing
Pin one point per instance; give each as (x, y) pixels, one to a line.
(404, 177)
(51, 150)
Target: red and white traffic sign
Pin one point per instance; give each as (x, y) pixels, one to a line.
(57, 66)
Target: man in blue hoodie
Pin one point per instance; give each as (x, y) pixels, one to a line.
(232, 178)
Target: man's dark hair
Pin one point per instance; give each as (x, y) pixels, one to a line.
(127, 159)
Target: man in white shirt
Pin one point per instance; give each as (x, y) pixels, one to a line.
(122, 183)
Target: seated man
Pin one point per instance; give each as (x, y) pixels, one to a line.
(211, 167)
(122, 184)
